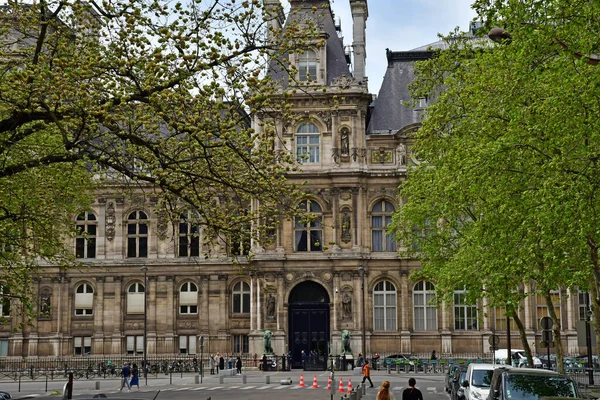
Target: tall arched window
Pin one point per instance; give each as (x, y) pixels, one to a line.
(241, 298)
(307, 66)
(308, 143)
(84, 299)
(188, 298)
(308, 227)
(381, 217)
(189, 235)
(384, 306)
(136, 297)
(85, 242)
(137, 234)
(465, 315)
(425, 313)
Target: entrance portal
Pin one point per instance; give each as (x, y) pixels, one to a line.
(309, 326)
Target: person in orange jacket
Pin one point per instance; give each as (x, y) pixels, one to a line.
(366, 369)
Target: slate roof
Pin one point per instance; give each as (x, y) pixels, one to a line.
(389, 113)
(336, 55)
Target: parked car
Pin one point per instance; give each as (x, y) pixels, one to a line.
(530, 384)
(477, 381)
(519, 358)
(399, 359)
(569, 362)
(457, 392)
(449, 376)
(583, 361)
(5, 396)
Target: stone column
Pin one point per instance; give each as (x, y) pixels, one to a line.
(357, 223)
(258, 305)
(252, 303)
(98, 339)
(336, 287)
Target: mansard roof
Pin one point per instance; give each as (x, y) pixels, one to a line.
(390, 114)
(336, 56)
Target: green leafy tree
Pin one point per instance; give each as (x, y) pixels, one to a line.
(511, 148)
(151, 95)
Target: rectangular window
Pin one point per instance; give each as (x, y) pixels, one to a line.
(188, 309)
(135, 303)
(82, 345)
(4, 348)
(465, 315)
(542, 308)
(501, 320)
(84, 303)
(135, 345)
(585, 304)
(187, 344)
(308, 148)
(241, 344)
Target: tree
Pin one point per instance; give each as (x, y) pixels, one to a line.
(510, 148)
(154, 95)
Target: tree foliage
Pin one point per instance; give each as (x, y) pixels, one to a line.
(154, 94)
(511, 172)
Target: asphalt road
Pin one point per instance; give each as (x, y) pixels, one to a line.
(233, 388)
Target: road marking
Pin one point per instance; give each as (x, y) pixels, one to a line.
(297, 387)
(431, 388)
(247, 387)
(282, 387)
(179, 390)
(199, 388)
(233, 387)
(264, 387)
(398, 388)
(216, 388)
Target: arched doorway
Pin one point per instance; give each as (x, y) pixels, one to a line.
(309, 325)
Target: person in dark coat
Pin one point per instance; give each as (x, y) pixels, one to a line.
(135, 376)
(265, 368)
(221, 363)
(238, 365)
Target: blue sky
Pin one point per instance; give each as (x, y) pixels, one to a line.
(402, 25)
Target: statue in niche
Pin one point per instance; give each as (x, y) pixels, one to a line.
(401, 154)
(346, 225)
(347, 306)
(45, 306)
(271, 307)
(345, 140)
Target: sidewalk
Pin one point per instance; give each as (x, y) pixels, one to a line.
(31, 389)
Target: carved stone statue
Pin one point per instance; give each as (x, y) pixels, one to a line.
(347, 305)
(401, 150)
(345, 142)
(271, 307)
(268, 349)
(346, 226)
(45, 306)
(346, 342)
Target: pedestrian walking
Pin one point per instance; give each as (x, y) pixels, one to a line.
(211, 362)
(125, 373)
(230, 362)
(135, 376)
(289, 360)
(433, 355)
(384, 392)
(221, 363)
(366, 369)
(411, 392)
(238, 365)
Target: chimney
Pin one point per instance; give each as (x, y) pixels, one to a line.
(360, 13)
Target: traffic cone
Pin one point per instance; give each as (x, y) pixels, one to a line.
(301, 380)
(315, 384)
(349, 385)
(341, 389)
(328, 383)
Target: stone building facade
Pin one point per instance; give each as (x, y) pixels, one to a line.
(341, 271)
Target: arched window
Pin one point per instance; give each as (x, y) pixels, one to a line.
(241, 298)
(425, 314)
(308, 143)
(137, 234)
(465, 315)
(85, 242)
(308, 228)
(84, 299)
(189, 235)
(136, 297)
(188, 298)
(381, 217)
(384, 306)
(307, 66)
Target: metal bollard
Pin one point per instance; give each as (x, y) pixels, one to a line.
(389, 368)
(267, 379)
(244, 379)
(197, 379)
(352, 395)
(397, 368)
(221, 379)
(97, 385)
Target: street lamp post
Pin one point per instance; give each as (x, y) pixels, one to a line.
(361, 269)
(145, 367)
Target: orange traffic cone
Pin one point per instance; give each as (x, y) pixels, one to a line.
(328, 383)
(349, 385)
(315, 384)
(301, 380)
(341, 389)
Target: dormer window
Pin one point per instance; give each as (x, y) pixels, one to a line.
(307, 66)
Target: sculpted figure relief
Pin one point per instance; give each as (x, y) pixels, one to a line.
(346, 342)
(268, 349)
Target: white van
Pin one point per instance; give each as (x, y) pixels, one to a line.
(519, 358)
(477, 381)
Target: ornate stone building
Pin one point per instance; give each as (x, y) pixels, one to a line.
(339, 271)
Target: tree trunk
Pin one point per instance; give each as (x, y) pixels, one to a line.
(557, 335)
(523, 337)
